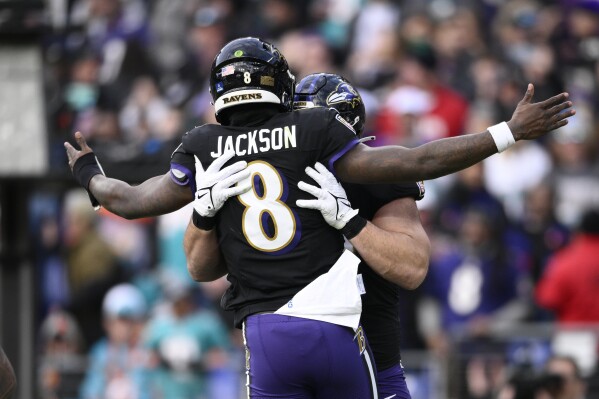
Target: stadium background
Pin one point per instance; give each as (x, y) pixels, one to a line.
(131, 75)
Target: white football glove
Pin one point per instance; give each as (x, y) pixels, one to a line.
(214, 186)
(331, 199)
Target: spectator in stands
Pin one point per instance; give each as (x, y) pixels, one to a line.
(410, 104)
(307, 52)
(130, 240)
(117, 32)
(508, 181)
(206, 35)
(188, 342)
(529, 385)
(572, 385)
(119, 365)
(576, 167)
(81, 92)
(467, 192)
(111, 20)
(374, 48)
(143, 112)
(458, 41)
(277, 17)
(62, 365)
(91, 266)
(473, 285)
(570, 283)
(545, 235)
(53, 289)
(448, 109)
(104, 125)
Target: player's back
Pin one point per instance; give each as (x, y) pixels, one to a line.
(273, 248)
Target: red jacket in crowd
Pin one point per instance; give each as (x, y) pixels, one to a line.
(570, 285)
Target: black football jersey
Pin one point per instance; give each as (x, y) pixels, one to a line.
(380, 304)
(272, 248)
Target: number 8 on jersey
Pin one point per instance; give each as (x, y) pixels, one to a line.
(264, 203)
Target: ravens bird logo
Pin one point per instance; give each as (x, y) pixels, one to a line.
(344, 93)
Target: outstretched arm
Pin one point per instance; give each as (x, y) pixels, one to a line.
(395, 244)
(155, 196)
(441, 157)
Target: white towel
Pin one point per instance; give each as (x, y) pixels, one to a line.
(333, 297)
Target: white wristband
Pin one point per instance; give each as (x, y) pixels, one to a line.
(502, 135)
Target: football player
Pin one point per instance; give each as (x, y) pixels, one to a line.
(301, 341)
(281, 261)
(393, 237)
(272, 248)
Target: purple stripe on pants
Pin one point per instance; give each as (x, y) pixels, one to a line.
(291, 357)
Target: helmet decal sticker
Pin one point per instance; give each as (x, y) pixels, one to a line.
(344, 93)
(267, 80)
(228, 70)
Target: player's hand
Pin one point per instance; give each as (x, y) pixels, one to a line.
(215, 186)
(74, 154)
(331, 199)
(84, 165)
(532, 120)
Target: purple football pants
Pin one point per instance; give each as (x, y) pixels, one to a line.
(391, 383)
(296, 358)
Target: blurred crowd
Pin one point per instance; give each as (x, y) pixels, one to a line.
(515, 238)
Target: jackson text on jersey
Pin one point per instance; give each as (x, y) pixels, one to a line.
(256, 141)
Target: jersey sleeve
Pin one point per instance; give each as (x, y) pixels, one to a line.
(183, 167)
(339, 137)
(407, 190)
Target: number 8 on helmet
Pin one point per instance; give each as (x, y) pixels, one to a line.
(249, 71)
